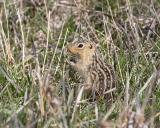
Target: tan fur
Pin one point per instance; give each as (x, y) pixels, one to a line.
(97, 75)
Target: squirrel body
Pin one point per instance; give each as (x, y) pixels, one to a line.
(98, 76)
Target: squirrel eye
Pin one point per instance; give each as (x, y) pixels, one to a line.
(80, 45)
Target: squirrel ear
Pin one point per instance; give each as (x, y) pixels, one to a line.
(93, 45)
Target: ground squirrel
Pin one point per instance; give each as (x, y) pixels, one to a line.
(98, 76)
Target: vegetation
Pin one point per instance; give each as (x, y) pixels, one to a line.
(39, 89)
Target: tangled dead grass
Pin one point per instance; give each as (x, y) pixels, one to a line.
(37, 87)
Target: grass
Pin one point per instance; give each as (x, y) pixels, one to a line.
(39, 89)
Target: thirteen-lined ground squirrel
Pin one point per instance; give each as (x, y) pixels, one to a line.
(98, 76)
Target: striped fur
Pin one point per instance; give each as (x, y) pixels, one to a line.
(99, 77)
(104, 76)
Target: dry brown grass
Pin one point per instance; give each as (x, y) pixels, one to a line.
(39, 89)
